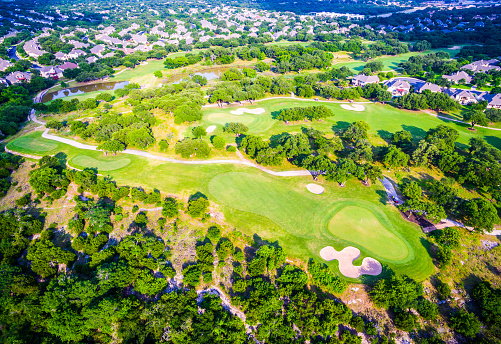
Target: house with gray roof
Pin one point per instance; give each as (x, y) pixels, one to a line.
(493, 100)
(362, 80)
(61, 56)
(482, 66)
(4, 64)
(430, 87)
(18, 77)
(398, 87)
(75, 53)
(33, 49)
(67, 65)
(457, 77)
(464, 97)
(97, 49)
(51, 72)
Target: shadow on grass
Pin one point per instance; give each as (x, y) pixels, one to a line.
(340, 126)
(385, 135)
(417, 133)
(494, 141)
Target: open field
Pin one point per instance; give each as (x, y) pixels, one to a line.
(271, 208)
(282, 209)
(384, 120)
(104, 164)
(389, 62)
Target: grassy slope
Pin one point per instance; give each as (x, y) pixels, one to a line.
(390, 62)
(301, 236)
(384, 120)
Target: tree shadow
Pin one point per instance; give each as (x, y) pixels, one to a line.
(383, 196)
(340, 126)
(369, 280)
(493, 141)
(62, 157)
(196, 196)
(417, 133)
(275, 114)
(385, 135)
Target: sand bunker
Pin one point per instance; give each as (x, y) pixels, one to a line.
(241, 111)
(316, 189)
(354, 107)
(369, 266)
(456, 47)
(210, 129)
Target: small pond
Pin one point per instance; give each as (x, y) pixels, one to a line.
(103, 86)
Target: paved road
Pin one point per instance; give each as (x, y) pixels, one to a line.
(390, 190)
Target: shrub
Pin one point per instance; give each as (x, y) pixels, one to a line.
(444, 290)
(207, 277)
(405, 321)
(232, 149)
(357, 323)
(198, 207)
(427, 309)
(465, 323)
(214, 233)
(218, 142)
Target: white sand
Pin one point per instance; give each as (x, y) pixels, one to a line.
(316, 189)
(241, 111)
(456, 47)
(369, 266)
(210, 129)
(354, 107)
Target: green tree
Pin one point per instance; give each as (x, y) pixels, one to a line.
(198, 207)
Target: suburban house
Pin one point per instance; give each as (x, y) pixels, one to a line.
(482, 66)
(51, 72)
(77, 44)
(33, 49)
(139, 39)
(18, 77)
(362, 80)
(109, 40)
(457, 77)
(493, 100)
(91, 59)
(398, 88)
(61, 56)
(75, 53)
(98, 49)
(429, 86)
(4, 64)
(464, 97)
(67, 65)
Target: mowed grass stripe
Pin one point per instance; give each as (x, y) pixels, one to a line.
(111, 164)
(31, 144)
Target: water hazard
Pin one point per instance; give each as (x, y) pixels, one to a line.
(104, 86)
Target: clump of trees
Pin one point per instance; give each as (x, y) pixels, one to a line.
(299, 113)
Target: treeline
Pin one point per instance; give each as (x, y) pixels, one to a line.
(131, 276)
(300, 113)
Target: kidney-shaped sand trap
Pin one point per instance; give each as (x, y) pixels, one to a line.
(316, 189)
(241, 111)
(210, 129)
(354, 107)
(369, 266)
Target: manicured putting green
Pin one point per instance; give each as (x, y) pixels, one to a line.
(361, 223)
(33, 144)
(312, 217)
(257, 123)
(101, 165)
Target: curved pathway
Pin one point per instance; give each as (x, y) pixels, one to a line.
(79, 145)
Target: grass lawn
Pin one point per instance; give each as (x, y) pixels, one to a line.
(266, 207)
(384, 120)
(104, 164)
(391, 62)
(30, 144)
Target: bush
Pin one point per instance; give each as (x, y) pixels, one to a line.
(427, 309)
(232, 149)
(135, 208)
(465, 323)
(357, 323)
(405, 321)
(444, 290)
(198, 207)
(218, 142)
(207, 277)
(214, 233)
